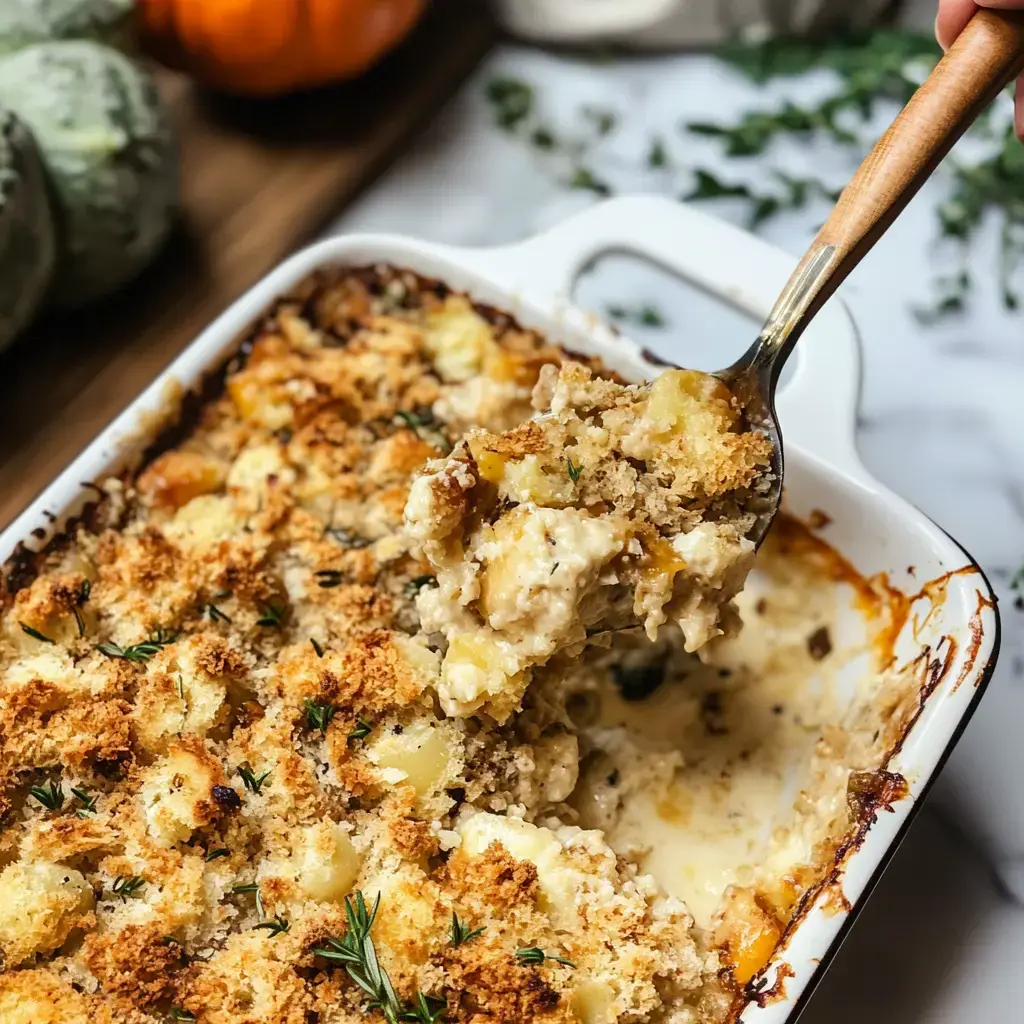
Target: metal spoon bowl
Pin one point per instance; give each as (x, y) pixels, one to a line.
(986, 57)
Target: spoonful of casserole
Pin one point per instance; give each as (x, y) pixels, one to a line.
(626, 504)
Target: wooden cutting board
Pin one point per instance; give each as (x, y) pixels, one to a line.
(259, 178)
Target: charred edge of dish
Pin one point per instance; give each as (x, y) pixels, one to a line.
(977, 635)
(761, 993)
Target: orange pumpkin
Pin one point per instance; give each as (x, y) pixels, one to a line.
(268, 47)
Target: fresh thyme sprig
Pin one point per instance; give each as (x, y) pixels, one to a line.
(88, 802)
(461, 932)
(319, 714)
(127, 886)
(51, 796)
(532, 956)
(141, 651)
(35, 634)
(251, 781)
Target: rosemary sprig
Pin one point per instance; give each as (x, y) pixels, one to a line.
(416, 418)
(414, 586)
(329, 577)
(361, 730)
(274, 926)
(88, 802)
(317, 647)
(178, 1014)
(141, 651)
(251, 781)
(319, 714)
(221, 851)
(127, 886)
(84, 592)
(574, 470)
(51, 796)
(462, 933)
(272, 615)
(533, 956)
(35, 634)
(252, 887)
(425, 1010)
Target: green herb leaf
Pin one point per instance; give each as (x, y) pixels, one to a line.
(533, 956)
(272, 615)
(462, 933)
(141, 651)
(319, 714)
(252, 782)
(645, 316)
(317, 648)
(274, 926)
(178, 1014)
(215, 614)
(574, 470)
(88, 802)
(361, 731)
(51, 796)
(543, 138)
(414, 586)
(127, 886)
(584, 178)
(221, 851)
(425, 1010)
(329, 577)
(603, 120)
(512, 99)
(35, 634)
(657, 155)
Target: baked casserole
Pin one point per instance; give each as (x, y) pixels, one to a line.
(238, 790)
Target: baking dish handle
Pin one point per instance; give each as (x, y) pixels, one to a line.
(816, 406)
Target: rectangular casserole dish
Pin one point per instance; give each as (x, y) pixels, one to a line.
(950, 626)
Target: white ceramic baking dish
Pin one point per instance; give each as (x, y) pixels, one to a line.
(876, 530)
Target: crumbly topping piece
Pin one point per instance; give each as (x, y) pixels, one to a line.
(621, 502)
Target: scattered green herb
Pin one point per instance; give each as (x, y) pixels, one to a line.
(417, 418)
(603, 120)
(574, 470)
(51, 796)
(221, 851)
(88, 802)
(329, 577)
(216, 615)
(84, 591)
(532, 956)
(35, 634)
(319, 714)
(645, 316)
(584, 178)
(361, 731)
(1017, 586)
(127, 886)
(178, 1014)
(272, 615)
(316, 647)
(657, 155)
(543, 138)
(414, 586)
(274, 926)
(462, 933)
(512, 99)
(425, 1010)
(141, 651)
(251, 781)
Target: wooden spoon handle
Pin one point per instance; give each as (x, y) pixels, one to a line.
(988, 54)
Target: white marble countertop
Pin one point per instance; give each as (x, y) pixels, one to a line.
(940, 423)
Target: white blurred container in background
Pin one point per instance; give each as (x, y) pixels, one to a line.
(684, 23)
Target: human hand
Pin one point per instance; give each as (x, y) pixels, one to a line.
(954, 15)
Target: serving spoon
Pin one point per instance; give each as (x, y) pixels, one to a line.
(987, 55)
